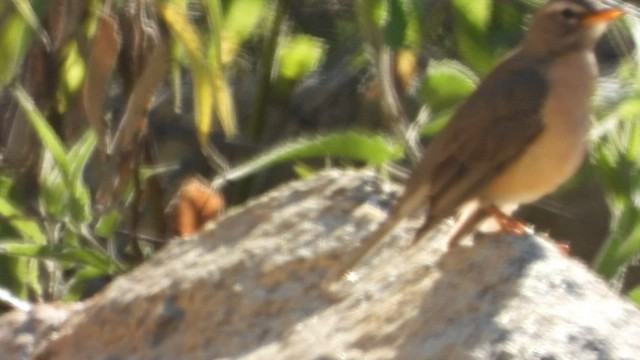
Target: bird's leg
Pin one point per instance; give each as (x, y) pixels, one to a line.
(469, 219)
(513, 226)
(506, 222)
(430, 221)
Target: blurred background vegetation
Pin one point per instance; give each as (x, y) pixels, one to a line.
(113, 112)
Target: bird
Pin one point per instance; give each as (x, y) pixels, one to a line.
(517, 137)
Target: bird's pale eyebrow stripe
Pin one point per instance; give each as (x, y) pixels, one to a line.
(560, 6)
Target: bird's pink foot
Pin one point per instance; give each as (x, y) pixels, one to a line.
(564, 247)
(507, 224)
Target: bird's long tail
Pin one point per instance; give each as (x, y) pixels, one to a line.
(404, 207)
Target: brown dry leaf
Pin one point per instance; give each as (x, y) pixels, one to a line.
(134, 122)
(137, 106)
(56, 22)
(103, 55)
(195, 205)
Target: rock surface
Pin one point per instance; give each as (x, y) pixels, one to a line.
(249, 288)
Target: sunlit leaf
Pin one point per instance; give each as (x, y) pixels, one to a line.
(635, 295)
(300, 55)
(73, 71)
(303, 171)
(203, 95)
(80, 154)
(240, 19)
(107, 224)
(180, 25)
(15, 276)
(27, 228)
(472, 20)
(446, 84)
(372, 150)
(54, 192)
(14, 39)
(224, 106)
(209, 85)
(476, 13)
(29, 15)
(45, 132)
(65, 254)
(222, 99)
(78, 157)
(437, 123)
(213, 10)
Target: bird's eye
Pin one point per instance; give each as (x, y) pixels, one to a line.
(569, 14)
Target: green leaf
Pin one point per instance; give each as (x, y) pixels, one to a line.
(210, 89)
(54, 192)
(300, 55)
(27, 228)
(191, 40)
(240, 19)
(630, 247)
(373, 150)
(447, 83)
(396, 27)
(477, 13)
(437, 123)
(471, 28)
(17, 275)
(62, 253)
(634, 295)
(45, 132)
(14, 40)
(29, 15)
(78, 283)
(222, 98)
(80, 154)
(78, 157)
(107, 224)
(303, 170)
(73, 68)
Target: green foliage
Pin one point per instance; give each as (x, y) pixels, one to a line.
(409, 63)
(73, 74)
(446, 84)
(27, 228)
(472, 21)
(396, 27)
(59, 234)
(616, 155)
(635, 295)
(16, 32)
(210, 89)
(300, 55)
(62, 253)
(372, 150)
(62, 172)
(241, 18)
(14, 37)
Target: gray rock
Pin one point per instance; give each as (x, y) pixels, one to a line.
(250, 288)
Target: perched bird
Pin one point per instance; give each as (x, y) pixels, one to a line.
(519, 136)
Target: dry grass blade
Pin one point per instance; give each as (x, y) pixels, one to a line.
(103, 55)
(141, 96)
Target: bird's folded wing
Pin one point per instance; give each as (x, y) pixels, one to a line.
(489, 131)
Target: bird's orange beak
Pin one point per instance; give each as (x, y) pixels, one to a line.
(602, 16)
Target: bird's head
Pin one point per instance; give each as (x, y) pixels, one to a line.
(566, 25)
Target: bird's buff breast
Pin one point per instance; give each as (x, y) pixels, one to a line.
(555, 155)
